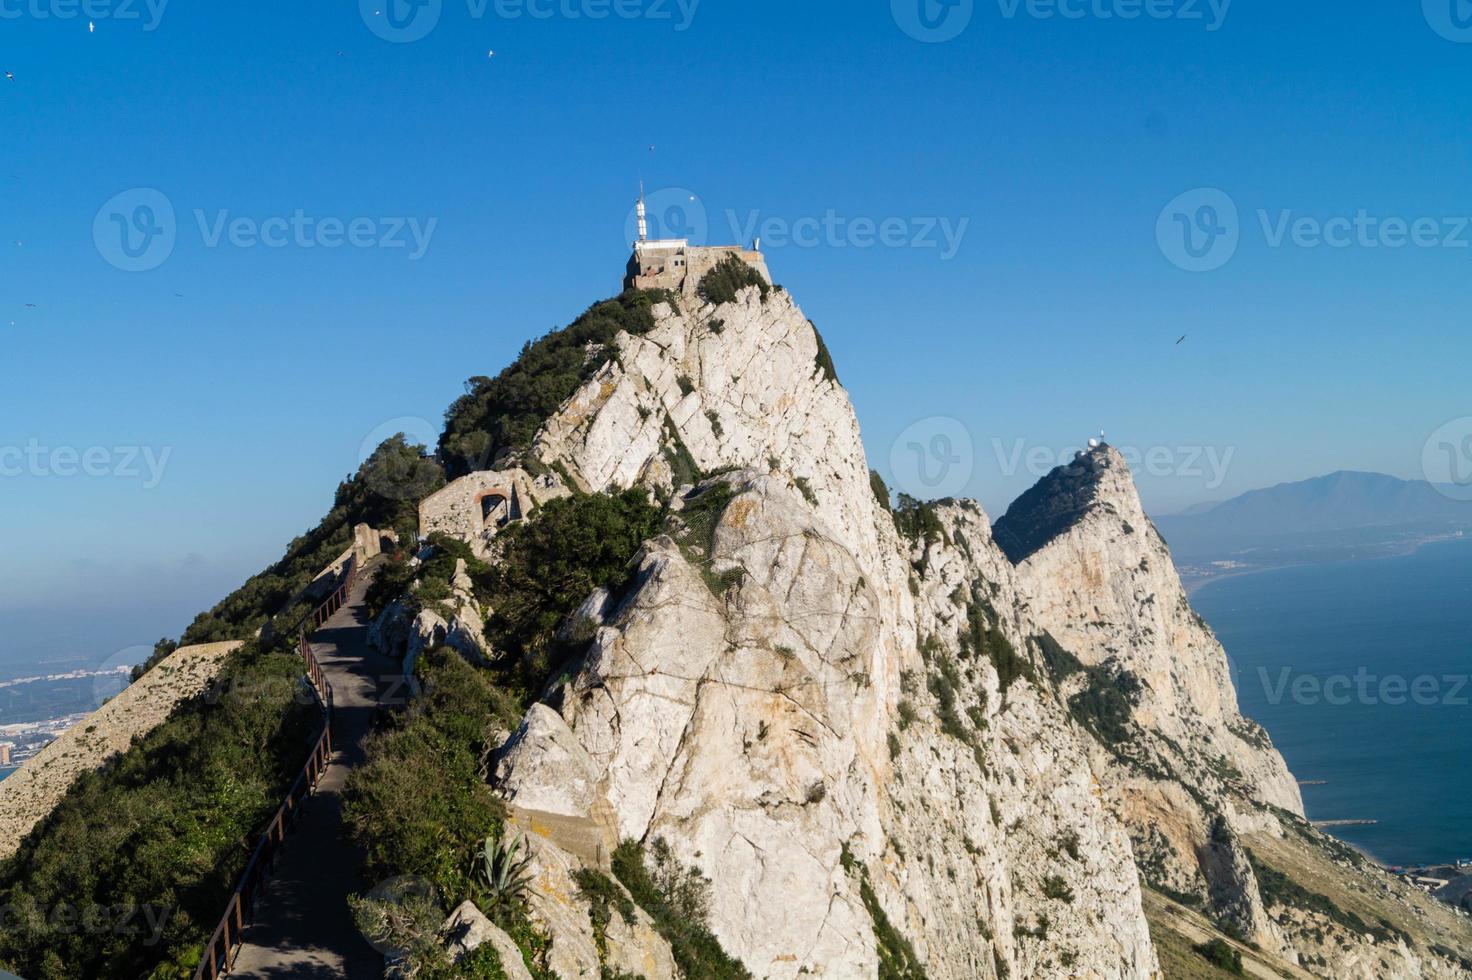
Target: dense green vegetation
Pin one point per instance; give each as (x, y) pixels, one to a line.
(167, 827)
(1219, 954)
(881, 491)
(383, 494)
(420, 805)
(918, 521)
(502, 414)
(728, 278)
(547, 566)
(897, 958)
(982, 636)
(161, 832)
(1105, 705)
(678, 900)
(824, 359)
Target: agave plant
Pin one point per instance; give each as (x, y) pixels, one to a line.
(504, 867)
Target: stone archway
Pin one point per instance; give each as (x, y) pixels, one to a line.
(495, 507)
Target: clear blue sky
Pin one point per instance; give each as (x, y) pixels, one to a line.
(261, 370)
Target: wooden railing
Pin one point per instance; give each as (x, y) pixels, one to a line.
(218, 958)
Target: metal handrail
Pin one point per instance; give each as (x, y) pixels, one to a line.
(218, 958)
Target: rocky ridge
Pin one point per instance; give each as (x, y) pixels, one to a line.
(882, 738)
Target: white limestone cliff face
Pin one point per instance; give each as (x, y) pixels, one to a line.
(963, 745)
(1105, 587)
(760, 701)
(1193, 774)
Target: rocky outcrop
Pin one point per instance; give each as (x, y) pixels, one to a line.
(35, 789)
(1187, 772)
(951, 747)
(760, 700)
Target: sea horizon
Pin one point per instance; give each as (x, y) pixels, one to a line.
(1359, 670)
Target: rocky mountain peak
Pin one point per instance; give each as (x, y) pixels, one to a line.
(1096, 478)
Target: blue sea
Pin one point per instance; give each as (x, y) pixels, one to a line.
(1360, 672)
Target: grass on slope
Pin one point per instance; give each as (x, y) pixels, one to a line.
(130, 873)
(156, 841)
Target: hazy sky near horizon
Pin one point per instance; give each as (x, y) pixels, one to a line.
(1027, 174)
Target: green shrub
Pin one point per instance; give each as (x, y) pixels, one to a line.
(982, 635)
(1056, 888)
(824, 359)
(728, 278)
(678, 900)
(918, 521)
(502, 414)
(881, 491)
(897, 958)
(419, 804)
(164, 828)
(1221, 955)
(548, 565)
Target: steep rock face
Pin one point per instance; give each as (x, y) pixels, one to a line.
(761, 701)
(1095, 574)
(1187, 773)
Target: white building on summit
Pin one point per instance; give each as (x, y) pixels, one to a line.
(673, 263)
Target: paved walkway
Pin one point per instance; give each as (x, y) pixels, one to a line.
(304, 928)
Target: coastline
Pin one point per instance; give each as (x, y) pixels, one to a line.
(1194, 584)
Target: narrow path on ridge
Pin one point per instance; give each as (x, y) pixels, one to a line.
(303, 927)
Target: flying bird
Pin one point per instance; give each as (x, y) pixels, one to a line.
(31, 306)
(1183, 337)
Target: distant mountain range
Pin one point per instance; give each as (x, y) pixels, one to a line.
(1339, 516)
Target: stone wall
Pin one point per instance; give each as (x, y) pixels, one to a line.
(659, 270)
(474, 507)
